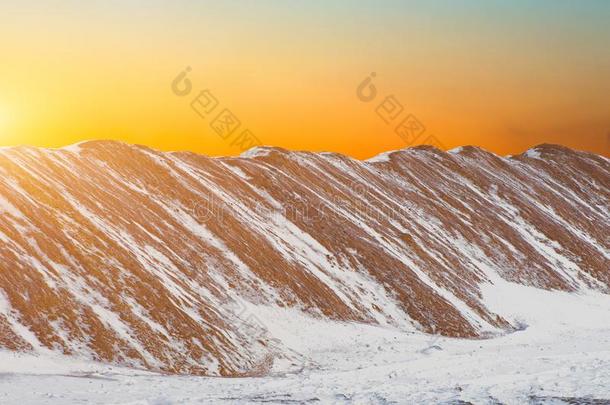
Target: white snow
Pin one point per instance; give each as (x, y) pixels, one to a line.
(257, 151)
(563, 352)
(74, 148)
(456, 151)
(7, 208)
(532, 153)
(382, 157)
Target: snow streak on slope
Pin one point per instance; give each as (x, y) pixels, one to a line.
(127, 255)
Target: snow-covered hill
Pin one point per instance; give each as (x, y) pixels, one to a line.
(177, 262)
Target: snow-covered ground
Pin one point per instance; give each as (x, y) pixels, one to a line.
(564, 352)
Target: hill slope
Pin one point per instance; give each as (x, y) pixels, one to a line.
(132, 256)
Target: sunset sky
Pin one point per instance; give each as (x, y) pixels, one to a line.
(504, 75)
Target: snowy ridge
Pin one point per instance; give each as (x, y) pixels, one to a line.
(170, 261)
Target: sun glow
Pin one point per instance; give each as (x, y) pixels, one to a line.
(6, 139)
(3, 122)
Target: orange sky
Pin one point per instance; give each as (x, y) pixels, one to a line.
(505, 77)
